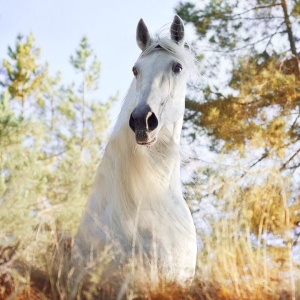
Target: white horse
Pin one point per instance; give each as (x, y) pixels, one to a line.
(137, 204)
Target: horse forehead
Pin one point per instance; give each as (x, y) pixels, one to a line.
(156, 61)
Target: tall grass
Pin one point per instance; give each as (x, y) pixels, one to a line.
(236, 258)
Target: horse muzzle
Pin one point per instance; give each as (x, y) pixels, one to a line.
(143, 122)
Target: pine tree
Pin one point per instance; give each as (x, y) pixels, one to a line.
(24, 74)
(259, 103)
(50, 140)
(249, 109)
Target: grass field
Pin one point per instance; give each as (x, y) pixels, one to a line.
(227, 268)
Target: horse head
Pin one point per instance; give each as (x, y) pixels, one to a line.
(161, 75)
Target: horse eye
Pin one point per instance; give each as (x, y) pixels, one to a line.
(135, 72)
(177, 68)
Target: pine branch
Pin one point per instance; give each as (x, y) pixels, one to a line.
(192, 105)
(190, 117)
(271, 37)
(254, 19)
(257, 8)
(245, 46)
(54, 155)
(289, 160)
(265, 155)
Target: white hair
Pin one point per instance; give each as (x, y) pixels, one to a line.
(137, 203)
(185, 54)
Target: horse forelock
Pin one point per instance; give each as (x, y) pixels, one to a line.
(183, 54)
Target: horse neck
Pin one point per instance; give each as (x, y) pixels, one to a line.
(139, 168)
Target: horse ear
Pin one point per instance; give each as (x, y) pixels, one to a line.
(177, 30)
(142, 35)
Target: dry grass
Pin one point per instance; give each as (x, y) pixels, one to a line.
(230, 271)
(231, 265)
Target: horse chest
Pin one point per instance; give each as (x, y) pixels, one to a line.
(163, 226)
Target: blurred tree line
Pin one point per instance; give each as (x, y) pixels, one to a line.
(249, 108)
(247, 202)
(50, 140)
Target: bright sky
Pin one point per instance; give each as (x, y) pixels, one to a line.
(59, 25)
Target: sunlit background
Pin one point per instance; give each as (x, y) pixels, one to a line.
(240, 138)
(110, 27)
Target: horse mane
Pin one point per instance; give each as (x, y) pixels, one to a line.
(137, 205)
(183, 54)
(141, 168)
(166, 147)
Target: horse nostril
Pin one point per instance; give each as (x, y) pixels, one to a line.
(142, 118)
(152, 122)
(131, 123)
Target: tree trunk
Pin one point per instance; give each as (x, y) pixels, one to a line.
(291, 37)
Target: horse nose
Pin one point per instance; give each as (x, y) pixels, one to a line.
(143, 118)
